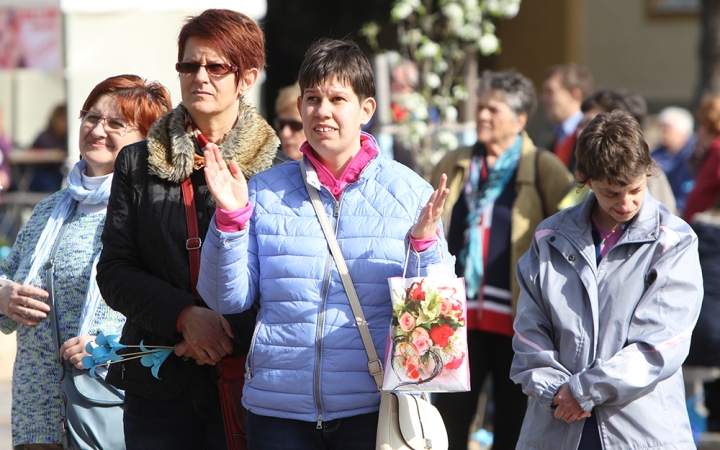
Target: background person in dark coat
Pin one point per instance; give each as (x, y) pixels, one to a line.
(49, 177)
(705, 343)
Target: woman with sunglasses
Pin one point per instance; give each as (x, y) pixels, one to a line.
(118, 112)
(145, 271)
(288, 122)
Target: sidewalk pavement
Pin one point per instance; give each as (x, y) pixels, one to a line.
(5, 433)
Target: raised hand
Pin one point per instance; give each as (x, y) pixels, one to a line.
(427, 224)
(226, 183)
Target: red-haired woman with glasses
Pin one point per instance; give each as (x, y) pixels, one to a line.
(118, 112)
(145, 272)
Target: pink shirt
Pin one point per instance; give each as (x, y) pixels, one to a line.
(232, 221)
(608, 238)
(368, 151)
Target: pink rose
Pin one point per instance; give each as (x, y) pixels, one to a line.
(407, 322)
(421, 340)
(445, 307)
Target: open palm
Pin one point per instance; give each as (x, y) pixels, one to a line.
(226, 183)
(427, 224)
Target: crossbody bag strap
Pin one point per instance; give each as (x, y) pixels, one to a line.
(193, 242)
(374, 364)
(50, 282)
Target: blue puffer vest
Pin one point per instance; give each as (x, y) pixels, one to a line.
(307, 361)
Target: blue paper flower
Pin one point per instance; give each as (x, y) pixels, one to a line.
(106, 344)
(102, 354)
(154, 358)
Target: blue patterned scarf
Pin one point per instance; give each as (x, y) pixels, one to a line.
(477, 200)
(74, 194)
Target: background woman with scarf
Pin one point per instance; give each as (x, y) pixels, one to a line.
(500, 190)
(118, 112)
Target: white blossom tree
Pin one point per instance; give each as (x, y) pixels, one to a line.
(441, 37)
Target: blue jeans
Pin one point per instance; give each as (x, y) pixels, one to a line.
(192, 420)
(350, 433)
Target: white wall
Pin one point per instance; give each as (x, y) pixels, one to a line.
(27, 97)
(35, 94)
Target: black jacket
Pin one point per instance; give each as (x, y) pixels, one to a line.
(144, 271)
(705, 343)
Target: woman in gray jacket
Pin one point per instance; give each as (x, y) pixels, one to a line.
(610, 293)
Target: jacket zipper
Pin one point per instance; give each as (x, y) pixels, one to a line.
(248, 374)
(321, 322)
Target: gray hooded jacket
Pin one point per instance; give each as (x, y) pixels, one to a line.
(617, 332)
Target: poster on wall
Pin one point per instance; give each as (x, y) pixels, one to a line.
(30, 38)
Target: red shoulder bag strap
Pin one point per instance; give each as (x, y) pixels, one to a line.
(231, 370)
(193, 242)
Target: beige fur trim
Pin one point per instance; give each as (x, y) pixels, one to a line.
(252, 143)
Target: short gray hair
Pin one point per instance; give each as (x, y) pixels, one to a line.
(680, 118)
(516, 90)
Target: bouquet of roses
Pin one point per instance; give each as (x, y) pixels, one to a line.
(427, 343)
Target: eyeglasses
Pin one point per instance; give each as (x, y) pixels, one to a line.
(91, 119)
(294, 125)
(216, 69)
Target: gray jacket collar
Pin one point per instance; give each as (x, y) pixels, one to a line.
(643, 228)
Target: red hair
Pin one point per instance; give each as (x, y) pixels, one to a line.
(140, 103)
(236, 37)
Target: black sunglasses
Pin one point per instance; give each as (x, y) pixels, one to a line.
(212, 69)
(294, 125)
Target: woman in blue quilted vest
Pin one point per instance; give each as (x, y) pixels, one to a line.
(308, 384)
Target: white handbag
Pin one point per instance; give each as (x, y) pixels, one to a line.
(405, 421)
(409, 422)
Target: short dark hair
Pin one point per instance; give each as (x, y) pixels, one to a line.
(573, 76)
(611, 99)
(140, 103)
(236, 36)
(343, 60)
(516, 90)
(612, 148)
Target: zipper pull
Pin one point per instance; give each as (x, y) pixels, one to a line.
(319, 423)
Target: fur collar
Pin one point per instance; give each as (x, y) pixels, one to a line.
(252, 143)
